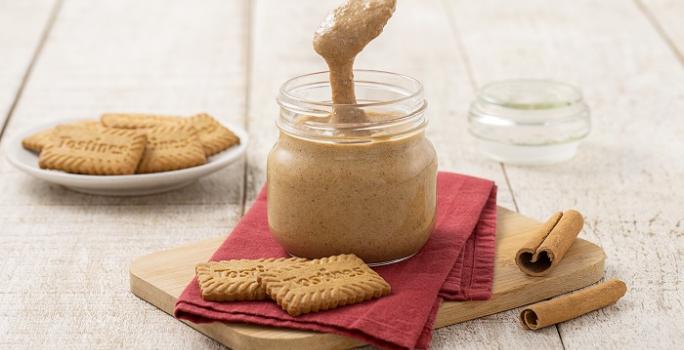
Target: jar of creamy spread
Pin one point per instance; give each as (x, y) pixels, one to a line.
(366, 187)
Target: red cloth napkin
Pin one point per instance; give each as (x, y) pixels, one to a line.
(457, 263)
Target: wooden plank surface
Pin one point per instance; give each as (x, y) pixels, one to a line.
(23, 25)
(66, 255)
(666, 18)
(229, 58)
(627, 178)
(161, 277)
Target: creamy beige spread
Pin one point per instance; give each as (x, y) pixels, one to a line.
(343, 34)
(375, 199)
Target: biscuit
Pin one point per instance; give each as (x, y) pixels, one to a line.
(37, 141)
(323, 284)
(171, 147)
(233, 280)
(93, 151)
(214, 136)
(137, 120)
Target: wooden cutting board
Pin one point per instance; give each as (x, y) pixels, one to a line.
(159, 278)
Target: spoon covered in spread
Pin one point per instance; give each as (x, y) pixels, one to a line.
(341, 36)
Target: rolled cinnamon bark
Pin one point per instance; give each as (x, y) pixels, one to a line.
(573, 305)
(550, 243)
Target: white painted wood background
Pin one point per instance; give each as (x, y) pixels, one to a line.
(64, 256)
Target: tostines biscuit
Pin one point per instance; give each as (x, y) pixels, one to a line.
(214, 136)
(37, 141)
(233, 280)
(323, 284)
(93, 151)
(137, 120)
(171, 147)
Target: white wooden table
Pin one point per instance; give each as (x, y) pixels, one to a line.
(64, 256)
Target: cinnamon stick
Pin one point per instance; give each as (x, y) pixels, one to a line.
(573, 305)
(550, 243)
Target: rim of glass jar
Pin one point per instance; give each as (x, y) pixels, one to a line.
(329, 131)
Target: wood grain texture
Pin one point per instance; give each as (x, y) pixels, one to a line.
(666, 19)
(160, 278)
(228, 58)
(627, 177)
(65, 254)
(22, 25)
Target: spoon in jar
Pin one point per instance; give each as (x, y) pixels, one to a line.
(339, 39)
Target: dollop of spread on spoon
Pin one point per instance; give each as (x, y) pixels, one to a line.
(339, 39)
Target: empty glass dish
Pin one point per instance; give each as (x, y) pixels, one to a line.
(527, 121)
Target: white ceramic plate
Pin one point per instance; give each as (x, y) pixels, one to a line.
(122, 185)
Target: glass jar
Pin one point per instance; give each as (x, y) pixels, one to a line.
(367, 188)
(528, 121)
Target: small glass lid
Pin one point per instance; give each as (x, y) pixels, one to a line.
(525, 117)
(531, 94)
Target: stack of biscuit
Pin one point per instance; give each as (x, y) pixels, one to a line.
(126, 143)
(299, 286)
